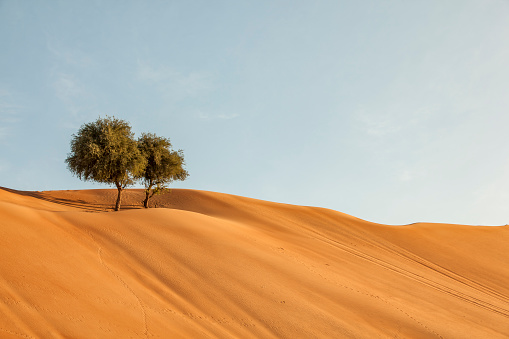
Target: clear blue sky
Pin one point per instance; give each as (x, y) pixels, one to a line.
(391, 111)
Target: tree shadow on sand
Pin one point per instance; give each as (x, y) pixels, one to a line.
(86, 205)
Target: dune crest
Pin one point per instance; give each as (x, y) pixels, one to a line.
(206, 264)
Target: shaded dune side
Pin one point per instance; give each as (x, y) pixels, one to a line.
(215, 265)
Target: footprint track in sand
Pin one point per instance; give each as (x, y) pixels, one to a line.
(17, 334)
(376, 297)
(22, 335)
(413, 258)
(423, 280)
(126, 286)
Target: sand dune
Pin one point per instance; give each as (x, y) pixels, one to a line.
(213, 265)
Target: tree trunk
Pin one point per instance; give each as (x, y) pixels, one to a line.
(148, 190)
(119, 189)
(147, 196)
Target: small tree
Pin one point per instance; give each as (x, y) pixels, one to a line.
(106, 151)
(163, 164)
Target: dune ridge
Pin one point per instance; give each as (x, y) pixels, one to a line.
(213, 265)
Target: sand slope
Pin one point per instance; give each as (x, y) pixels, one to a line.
(214, 265)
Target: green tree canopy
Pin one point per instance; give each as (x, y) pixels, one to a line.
(105, 151)
(164, 165)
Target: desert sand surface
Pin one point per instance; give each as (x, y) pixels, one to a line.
(212, 265)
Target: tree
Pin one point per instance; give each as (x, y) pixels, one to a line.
(106, 151)
(164, 165)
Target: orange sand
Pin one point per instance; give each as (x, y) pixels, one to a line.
(214, 265)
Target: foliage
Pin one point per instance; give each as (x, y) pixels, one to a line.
(105, 151)
(163, 166)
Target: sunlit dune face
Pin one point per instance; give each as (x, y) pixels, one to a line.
(201, 264)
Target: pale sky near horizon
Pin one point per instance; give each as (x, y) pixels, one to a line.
(391, 111)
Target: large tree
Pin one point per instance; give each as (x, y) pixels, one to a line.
(106, 151)
(164, 165)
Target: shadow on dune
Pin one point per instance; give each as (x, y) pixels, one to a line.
(59, 197)
(103, 200)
